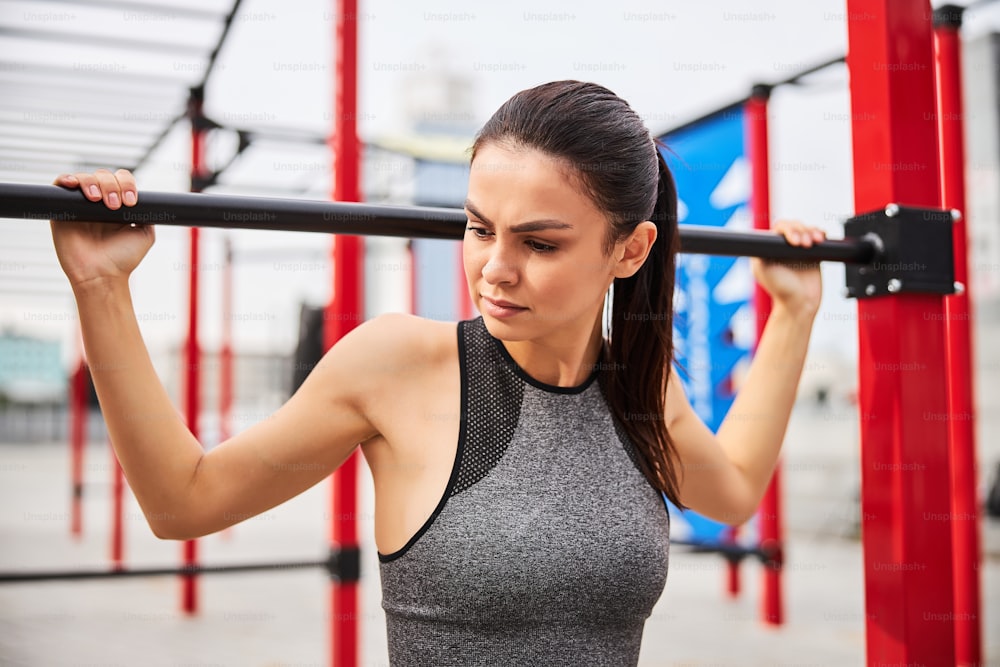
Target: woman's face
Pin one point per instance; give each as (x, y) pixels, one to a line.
(534, 248)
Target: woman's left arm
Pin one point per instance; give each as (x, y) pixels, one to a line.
(725, 475)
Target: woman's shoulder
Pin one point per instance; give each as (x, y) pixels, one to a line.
(402, 337)
(390, 351)
(394, 356)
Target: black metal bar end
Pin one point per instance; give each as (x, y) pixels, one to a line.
(916, 252)
(344, 564)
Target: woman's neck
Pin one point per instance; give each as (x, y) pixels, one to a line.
(565, 359)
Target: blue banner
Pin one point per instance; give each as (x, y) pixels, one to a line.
(712, 323)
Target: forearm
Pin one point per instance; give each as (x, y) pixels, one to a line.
(156, 450)
(752, 433)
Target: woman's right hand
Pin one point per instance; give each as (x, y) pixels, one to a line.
(96, 251)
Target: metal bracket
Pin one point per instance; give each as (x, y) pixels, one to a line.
(344, 565)
(915, 252)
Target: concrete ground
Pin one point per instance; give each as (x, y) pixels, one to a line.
(279, 618)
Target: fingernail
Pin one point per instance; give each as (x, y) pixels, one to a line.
(129, 198)
(94, 191)
(113, 200)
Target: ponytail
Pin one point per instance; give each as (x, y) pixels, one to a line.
(641, 346)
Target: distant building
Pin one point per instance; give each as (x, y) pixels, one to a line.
(425, 165)
(31, 370)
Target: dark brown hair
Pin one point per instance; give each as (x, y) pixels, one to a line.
(619, 166)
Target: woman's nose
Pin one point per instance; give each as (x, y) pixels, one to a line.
(499, 268)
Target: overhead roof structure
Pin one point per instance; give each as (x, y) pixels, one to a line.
(87, 84)
(124, 89)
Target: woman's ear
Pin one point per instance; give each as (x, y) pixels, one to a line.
(631, 252)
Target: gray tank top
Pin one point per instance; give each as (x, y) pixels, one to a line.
(548, 547)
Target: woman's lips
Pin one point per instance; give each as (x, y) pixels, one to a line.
(501, 308)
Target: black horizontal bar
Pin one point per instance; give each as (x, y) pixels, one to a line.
(725, 548)
(72, 575)
(46, 202)
(812, 69)
(700, 240)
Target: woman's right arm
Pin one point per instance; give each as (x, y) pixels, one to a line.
(185, 492)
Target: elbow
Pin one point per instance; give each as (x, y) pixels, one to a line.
(737, 511)
(731, 515)
(183, 520)
(736, 519)
(170, 526)
(742, 509)
(165, 533)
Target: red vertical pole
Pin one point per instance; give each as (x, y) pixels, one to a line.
(344, 312)
(78, 411)
(192, 352)
(769, 513)
(958, 334)
(117, 513)
(905, 469)
(730, 535)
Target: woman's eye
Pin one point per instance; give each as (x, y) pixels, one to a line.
(480, 232)
(540, 247)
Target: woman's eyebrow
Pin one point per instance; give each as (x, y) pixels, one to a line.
(530, 226)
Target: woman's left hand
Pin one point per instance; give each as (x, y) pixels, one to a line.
(794, 285)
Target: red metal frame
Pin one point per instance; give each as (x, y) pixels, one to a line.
(344, 312)
(902, 375)
(117, 512)
(192, 351)
(78, 412)
(958, 334)
(769, 512)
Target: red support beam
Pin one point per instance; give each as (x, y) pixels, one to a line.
(905, 467)
(192, 351)
(117, 513)
(769, 513)
(344, 312)
(958, 335)
(79, 388)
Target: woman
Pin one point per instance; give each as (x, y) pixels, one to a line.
(519, 459)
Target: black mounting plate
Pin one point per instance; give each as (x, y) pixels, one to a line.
(915, 252)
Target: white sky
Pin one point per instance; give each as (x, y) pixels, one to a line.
(672, 61)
